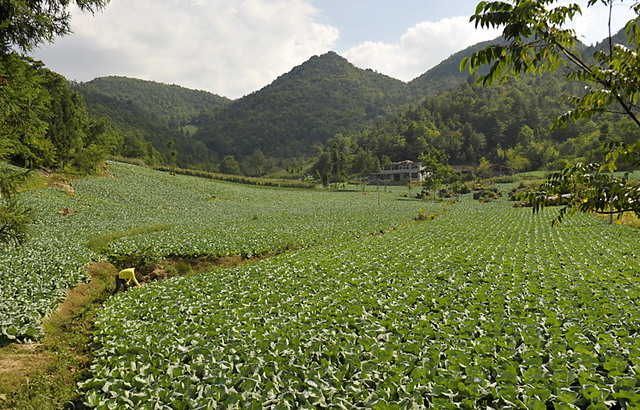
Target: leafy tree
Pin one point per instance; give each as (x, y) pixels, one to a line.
(229, 165)
(436, 169)
(44, 122)
(537, 40)
(485, 168)
(513, 160)
(322, 168)
(24, 106)
(259, 163)
(26, 24)
(173, 155)
(338, 161)
(14, 216)
(365, 163)
(100, 141)
(67, 118)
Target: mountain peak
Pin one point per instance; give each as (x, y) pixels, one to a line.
(316, 100)
(328, 63)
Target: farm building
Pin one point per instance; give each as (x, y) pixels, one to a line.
(400, 172)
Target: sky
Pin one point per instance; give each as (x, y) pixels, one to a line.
(234, 47)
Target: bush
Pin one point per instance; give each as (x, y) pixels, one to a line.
(424, 216)
(143, 260)
(461, 188)
(445, 193)
(486, 195)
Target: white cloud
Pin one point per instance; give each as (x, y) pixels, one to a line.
(420, 48)
(593, 26)
(229, 47)
(233, 47)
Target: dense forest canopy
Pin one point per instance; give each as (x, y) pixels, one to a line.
(150, 115)
(325, 96)
(173, 104)
(502, 123)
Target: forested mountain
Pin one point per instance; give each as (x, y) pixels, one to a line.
(326, 105)
(141, 122)
(173, 103)
(324, 96)
(509, 124)
(447, 74)
(153, 112)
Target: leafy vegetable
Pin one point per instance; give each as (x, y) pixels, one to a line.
(486, 306)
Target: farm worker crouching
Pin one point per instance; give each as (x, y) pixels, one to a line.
(125, 277)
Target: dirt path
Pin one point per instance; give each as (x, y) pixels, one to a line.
(44, 375)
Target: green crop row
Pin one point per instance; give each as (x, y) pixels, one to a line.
(120, 215)
(278, 183)
(486, 306)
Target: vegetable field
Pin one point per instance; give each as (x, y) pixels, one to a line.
(199, 218)
(486, 306)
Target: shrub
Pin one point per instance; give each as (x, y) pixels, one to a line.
(461, 188)
(486, 195)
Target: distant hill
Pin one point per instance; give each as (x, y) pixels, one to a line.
(447, 74)
(327, 95)
(151, 112)
(173, 103)
(308, 105)
(509, 123)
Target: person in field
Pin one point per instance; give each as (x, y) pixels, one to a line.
(124, 279)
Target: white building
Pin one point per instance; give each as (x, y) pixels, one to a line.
(400, 172)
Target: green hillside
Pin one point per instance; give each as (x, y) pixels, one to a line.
(151, 112)
(304, 107)
(171, 103)
(510, 124)
(304, 112)
(447, 74)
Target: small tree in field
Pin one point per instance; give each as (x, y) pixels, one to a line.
(173, 156)
(229, 165)
(485, 168)
(436, 169)
(536, 40)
